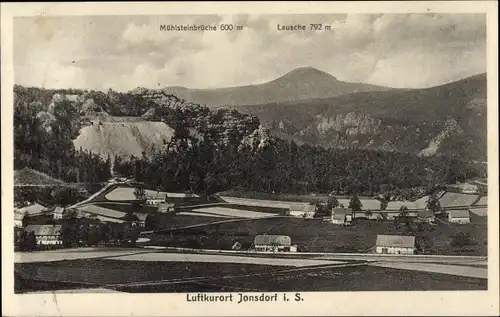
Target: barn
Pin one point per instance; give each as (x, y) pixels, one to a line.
(273, 243)
(459, 216)
(46, 234)
(394, 244)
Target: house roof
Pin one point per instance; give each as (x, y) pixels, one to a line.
(339, 213)
(33, 209)
(395, 241)
(59, 210)
(44, 230)
(152, 194)
(165, 206)
(18, 216)
(273, 239)
(141, 216)
(459, 213)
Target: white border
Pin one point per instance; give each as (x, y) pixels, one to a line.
(459, 303)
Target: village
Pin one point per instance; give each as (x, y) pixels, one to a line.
(123, 213)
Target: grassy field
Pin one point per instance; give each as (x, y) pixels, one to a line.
(315, 235)
(99, 272)
(145, 277)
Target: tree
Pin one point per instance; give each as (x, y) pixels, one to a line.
(333, 202)
(151, 222)
(70, 214)
(461, 239)
(93, 236)
(31, 241)
(355, 205)
(403, 211)
(433, 203)
(383, 204)
(130, 217)
(140, 193)
(25, 220)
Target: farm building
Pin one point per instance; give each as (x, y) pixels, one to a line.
(141, 219)
(389, 244)
(34, 210)
(341, 216)
(465, 188)
(166, 208)
(46, 234)
(58, 213)
(18, 219)
(273, 243)
(155, 198)
(459, 216)
(426, 216)
(307, 211)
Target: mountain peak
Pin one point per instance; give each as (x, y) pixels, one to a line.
(308, 72)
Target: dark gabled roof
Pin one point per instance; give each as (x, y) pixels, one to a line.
(395, 241)
(273, 239)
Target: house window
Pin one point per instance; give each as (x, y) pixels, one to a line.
(385, 250)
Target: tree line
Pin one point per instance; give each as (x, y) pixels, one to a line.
(214, 158)
(285, 167)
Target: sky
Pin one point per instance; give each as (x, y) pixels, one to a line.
(125, 52)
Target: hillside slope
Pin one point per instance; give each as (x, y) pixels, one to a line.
(443, 119)
(300, 83)
(123, 138)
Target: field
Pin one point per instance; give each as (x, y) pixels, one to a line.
(160, 276)
(315, 235)
(231, 212)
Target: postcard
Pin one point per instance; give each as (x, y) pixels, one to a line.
(237, 159)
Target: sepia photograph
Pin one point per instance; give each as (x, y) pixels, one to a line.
(250, 157)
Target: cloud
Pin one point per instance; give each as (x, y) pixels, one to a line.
(123, 52)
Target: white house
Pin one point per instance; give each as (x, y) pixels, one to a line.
(166, 208)
(392, 244)
(273, 243)
(459, 216)
(58, 213)
(46, 234)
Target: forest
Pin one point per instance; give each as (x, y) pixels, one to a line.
(226, 153)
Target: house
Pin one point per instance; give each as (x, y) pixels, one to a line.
(58, 213)
(34, 210)
(459, 216)
(308, 211)
(141, 219)
(18, 219)
(426, 216)
(273, 243)
(166, 208)
(46, 234)
(155, 198)
(341, 216)
(393, 244)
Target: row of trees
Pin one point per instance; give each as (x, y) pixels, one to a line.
(286, 167)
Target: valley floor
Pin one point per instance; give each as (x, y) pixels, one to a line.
(141, 270)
